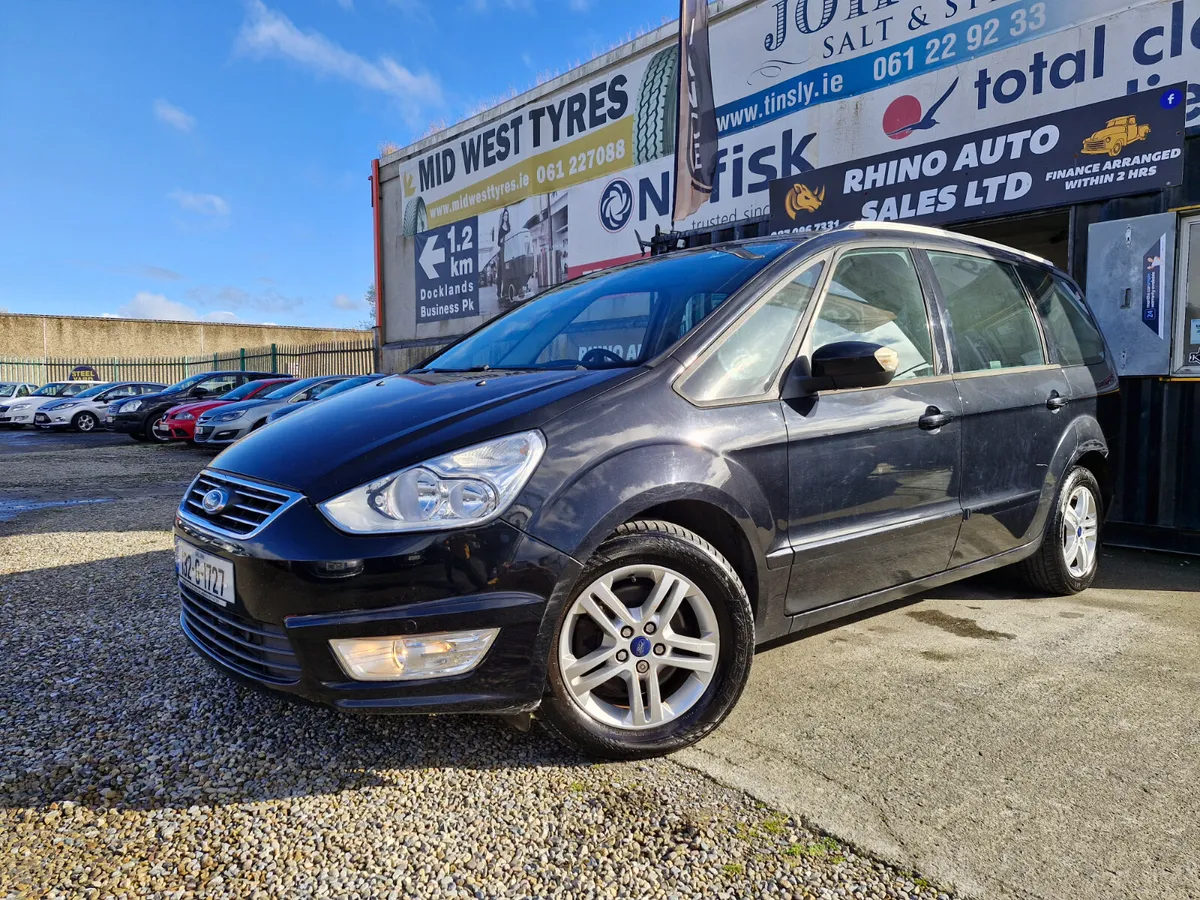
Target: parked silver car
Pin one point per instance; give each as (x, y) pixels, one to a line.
(332, 391)
(233, 421)
(85, 411)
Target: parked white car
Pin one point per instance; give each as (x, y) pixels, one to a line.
(85, 412)
(20, 413)
(15, 390)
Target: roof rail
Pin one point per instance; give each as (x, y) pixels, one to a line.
(867, 225)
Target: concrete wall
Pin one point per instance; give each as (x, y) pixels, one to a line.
(26, 336)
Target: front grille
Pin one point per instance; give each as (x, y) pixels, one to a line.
(251, 506)
(1095, 144)
(254, 649)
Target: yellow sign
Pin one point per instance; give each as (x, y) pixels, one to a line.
(603, 152)
(1114, 137)
(800, 197)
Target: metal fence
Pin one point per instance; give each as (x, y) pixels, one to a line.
(356, 357)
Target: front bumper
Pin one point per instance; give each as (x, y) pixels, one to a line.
(220, 432)
(275, 634)
(178, 429)
(53, 419)
(129, 423)
(18, 417)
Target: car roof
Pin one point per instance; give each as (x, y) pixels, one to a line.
(864, 228)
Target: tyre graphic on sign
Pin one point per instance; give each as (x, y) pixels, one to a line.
(657, 106)
(415, 217)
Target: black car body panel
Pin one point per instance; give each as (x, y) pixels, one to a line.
(824, 504)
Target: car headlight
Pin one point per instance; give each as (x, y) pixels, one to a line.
(229, 416)
(131, 406)
(63, 406)
(466, 487)
(185, 417)
(17, 407)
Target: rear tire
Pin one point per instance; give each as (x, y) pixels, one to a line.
(1069, 556)
(85, 422)
(677, 599)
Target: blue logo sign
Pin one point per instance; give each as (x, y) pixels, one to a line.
(640, 646)
(1172, 98)
(616, 205)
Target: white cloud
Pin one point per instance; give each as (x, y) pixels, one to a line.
(579, 6)
(266, 33)
(346, 4)
(173, 116)
(145, 305)
(231, 297)
(341, 301)
(205, 204)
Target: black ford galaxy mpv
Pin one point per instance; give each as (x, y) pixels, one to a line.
(597, 505)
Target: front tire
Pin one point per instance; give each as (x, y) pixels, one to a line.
(150, 436)
(653, 648)
(1067, 561)
(85, 422)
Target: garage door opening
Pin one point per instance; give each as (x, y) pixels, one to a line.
(1046, 234)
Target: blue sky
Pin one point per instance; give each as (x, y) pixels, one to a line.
(209, 159)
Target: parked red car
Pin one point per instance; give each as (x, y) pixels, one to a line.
(180, 421)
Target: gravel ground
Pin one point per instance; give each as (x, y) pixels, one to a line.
(128, 767)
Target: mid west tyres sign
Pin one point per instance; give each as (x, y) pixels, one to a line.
(559, 186)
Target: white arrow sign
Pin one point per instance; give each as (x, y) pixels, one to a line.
(430, 258)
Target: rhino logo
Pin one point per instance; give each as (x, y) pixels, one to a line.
(801, 197)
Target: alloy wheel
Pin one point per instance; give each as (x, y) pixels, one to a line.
(639, 647)
(1081, 529)
(86, 422)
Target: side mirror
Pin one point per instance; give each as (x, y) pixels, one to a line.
(845, 364)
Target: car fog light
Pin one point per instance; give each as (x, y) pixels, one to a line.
(412, 656)
(341, 568)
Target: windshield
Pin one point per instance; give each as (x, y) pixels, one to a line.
(617, 318)
(186, 383)
(292, 387)
(51, 390)
(7, 390)
(244, 391)
(342, 386)
(93, 391)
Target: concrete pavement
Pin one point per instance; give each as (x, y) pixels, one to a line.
(1007, 744)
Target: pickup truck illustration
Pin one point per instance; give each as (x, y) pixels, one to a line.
(1114, 137)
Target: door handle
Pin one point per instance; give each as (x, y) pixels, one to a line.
(1056, 401)
(933, 419)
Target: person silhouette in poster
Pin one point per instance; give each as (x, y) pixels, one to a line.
(502, 231)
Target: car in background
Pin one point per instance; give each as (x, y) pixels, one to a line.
(179, 424)
(21, 412)
(14, 390)
(332, 391)
(233, 422)
(85, 411)
(138, 416)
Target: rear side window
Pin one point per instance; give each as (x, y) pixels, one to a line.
(875, 296)
(1066, 320)
(992, 321)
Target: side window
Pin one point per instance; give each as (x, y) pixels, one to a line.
(1064, 317)
(220, 384)
(991, 319)
(875, 296)
(119, 393)
(747, 359)
(23, 391)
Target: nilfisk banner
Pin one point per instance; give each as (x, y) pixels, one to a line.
(1129, 145)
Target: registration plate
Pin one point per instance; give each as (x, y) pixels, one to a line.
(207, 575)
